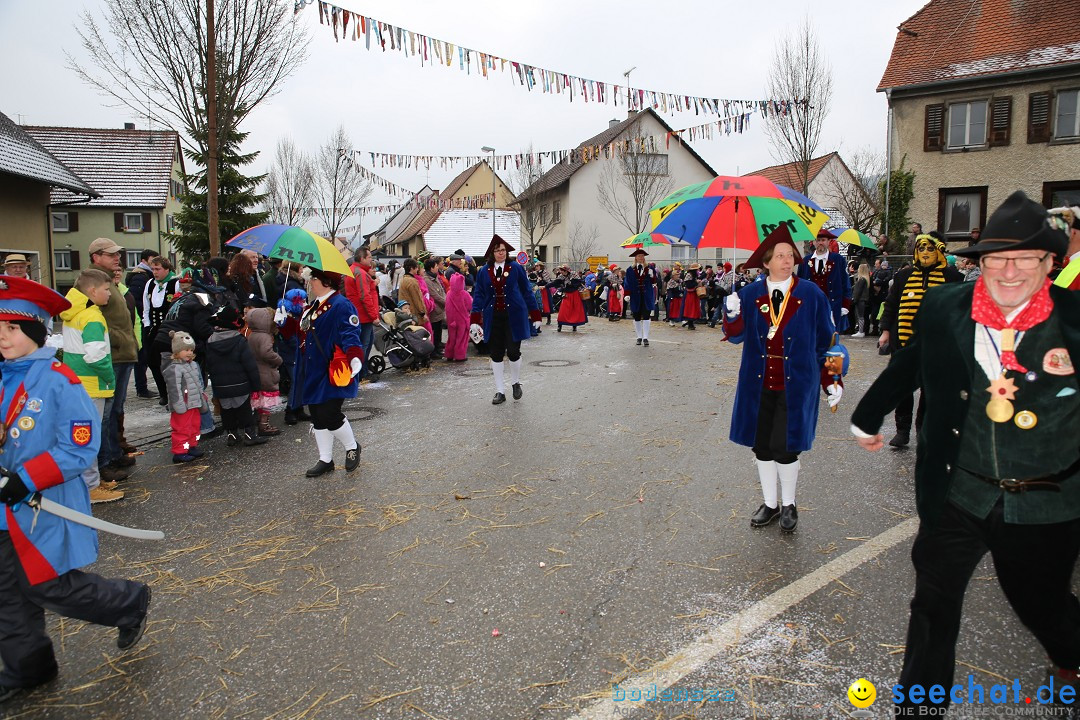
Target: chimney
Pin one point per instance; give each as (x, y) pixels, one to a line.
(612, 123)
(129, 126)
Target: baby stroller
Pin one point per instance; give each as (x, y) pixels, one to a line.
(400, 342)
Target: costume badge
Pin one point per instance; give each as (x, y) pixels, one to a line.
(354, 321)
(26, 423)
(1057, 362)
(81, 432)
(1066, 392)
(14, 433)
(34, 405)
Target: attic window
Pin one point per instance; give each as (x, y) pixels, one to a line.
(967, 124)
(1067, 119)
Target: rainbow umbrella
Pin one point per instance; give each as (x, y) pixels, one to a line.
(736, 212)
(292, 244)
(851, 236)
(646, 239)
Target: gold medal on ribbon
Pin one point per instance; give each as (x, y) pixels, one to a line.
(999, 410)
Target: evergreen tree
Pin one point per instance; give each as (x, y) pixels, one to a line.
(236, 194)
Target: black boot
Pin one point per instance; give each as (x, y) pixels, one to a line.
(517, 390)
(645, 342)
(789, 518)
(320, 468)
(499, 399)
(250, 436)
(901, 439)
(764, 516)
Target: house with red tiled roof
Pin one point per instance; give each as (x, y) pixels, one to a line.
(467, 199)
(983, 101)
(832, 185)
(139, 177)
(566, 199)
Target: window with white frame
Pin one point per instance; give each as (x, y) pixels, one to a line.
(1066, 118)
(543, 215)
(967, 124)
(556, 211)
(133, 222)
(170, 224)
(61, 222)
(132, 258)
(555, 255)
(682, 251)
(62, 259)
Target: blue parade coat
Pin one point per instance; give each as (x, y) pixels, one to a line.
(837, 285)
(520, 303)
(807, 336)
(641, 293)
(334, 324)
(50, 443)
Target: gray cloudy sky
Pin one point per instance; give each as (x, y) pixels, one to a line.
(389, 103)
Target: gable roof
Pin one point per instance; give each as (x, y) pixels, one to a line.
(427, 216)
(787, 174)
(469, 230)
(562, 171)
(129, 168)
(22, 155)
(959, 39)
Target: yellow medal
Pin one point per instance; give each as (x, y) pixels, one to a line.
(1025, 420)
(1002, 390)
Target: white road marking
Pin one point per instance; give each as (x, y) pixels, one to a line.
(703, 649)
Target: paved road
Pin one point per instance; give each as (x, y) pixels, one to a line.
(599, 524)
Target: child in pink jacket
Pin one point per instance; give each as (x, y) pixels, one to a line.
(458, 307)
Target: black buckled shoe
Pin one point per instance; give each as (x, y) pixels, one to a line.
(516, 387)
(352, 458)
(320, 468)
(129, 636)
(645, 342)
(639, 341)
(764, 516)
(499, 399)
(901, 439)
(789, 518)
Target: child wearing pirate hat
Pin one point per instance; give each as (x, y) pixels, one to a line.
(50, 434)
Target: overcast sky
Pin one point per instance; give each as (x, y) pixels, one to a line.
(389, 103)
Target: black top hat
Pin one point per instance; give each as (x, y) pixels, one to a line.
(1020, 223)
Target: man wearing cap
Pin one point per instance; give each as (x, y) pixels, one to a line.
(998, 470)
(828, 271)
(456, 264)
(786, 328)
(898, 317)
(16, 265)
(640, 286)
(503, 307)
(50, 435)
(1069, 275)
(105, 256)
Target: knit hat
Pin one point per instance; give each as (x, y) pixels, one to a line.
(181, 341)
(227, 318)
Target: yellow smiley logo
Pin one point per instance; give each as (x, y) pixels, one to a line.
(862, 693)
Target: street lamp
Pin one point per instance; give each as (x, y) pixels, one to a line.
(492, 151)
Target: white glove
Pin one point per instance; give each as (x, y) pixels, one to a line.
(280, 315)
(835, 392)
(536, 324)
(733, 305)
(356, 365)
(476, 333)
(843, 312)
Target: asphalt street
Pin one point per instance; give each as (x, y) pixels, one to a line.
(529, 560)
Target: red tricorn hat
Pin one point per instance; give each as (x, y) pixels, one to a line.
(22, 299)
(639, 251)
(496, 241)
(776, 237)
(825, 233)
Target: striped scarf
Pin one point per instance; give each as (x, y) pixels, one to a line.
(919, 281)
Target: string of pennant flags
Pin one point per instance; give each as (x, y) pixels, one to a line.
(431, 202)
(349, 25)
(587, 153)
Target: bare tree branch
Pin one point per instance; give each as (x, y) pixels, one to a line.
(150, 56)
(340, 191)
(536, 207)
(633, 182)
(856, 194)
(290, 185)
(581, 244)
(800, 73)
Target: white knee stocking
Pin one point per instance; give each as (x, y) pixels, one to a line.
(324, 440)
(789, 477)
(645, 328)
(515, 371)
(497, 370)
(766, 470)
(344, 435)
(637, 328)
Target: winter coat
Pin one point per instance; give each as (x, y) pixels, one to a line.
(333, 326)
(86, 345)
(438, 296)
(520, 304)
(192, 315)
(136, 281)
(118, 320)
(261, 341)
(363, 291)
(231, 365)
(185, 387)
(409, 291)
(458, 303)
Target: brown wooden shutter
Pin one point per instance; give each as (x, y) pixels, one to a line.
(1000, 121)
(146, 222)
(118, 222)
(934, 136)
(1038, 117)
(75, 260)
(73, 221)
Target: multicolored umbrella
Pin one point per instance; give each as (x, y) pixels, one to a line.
(851, 236)
(737, 212)
(292, 244)
(647, 239)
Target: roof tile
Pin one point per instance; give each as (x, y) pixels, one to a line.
(21, 154)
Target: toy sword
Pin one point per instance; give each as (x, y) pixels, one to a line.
(38, 502)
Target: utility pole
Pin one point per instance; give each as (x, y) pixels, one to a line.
(211, 134)
(627, 76)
